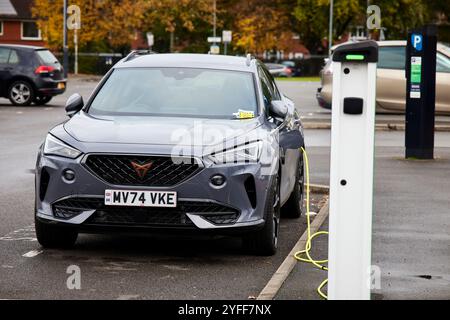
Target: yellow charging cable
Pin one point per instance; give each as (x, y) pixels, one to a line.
(307, 252)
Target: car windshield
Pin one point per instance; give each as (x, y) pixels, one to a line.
(179, 92)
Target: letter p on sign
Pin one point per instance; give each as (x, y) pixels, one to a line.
(417, 41)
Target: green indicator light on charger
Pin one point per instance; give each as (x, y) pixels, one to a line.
(358, 57)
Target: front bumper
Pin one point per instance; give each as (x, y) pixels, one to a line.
(243, 197)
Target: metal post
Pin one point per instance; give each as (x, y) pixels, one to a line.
(65, 46)
(225, 49)
(75, 41)
(330, 35)
(214, 20)
(368, 36)
(172, 40)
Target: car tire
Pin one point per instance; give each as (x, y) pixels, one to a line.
(42, 100)
(293, 208)
(21, 93)
(51, 236)
(264, 242)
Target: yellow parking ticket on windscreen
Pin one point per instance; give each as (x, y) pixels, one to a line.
(244, 114)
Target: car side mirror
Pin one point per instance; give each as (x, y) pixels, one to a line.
(278, 109)
(74, 104)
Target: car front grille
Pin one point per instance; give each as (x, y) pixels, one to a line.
(127, 216)
(136, 216)
(150, 171)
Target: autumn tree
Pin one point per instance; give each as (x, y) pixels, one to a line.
(187, 19)
(312, 20)
(399, 16)
(114, 21)
(258, 25)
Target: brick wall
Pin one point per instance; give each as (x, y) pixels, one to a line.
(12, 35)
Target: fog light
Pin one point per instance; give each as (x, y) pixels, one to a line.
(69, 175)
(218, 180)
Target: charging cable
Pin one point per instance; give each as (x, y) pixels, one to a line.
(305, 255)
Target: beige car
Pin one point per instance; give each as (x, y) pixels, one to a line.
(391, 81)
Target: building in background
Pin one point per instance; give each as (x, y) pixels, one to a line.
(17, 25)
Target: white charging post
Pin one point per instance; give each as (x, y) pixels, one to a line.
(351, 173)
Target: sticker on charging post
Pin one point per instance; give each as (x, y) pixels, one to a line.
(416, 77)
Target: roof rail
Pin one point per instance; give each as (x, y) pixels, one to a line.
(249, 59)
(135, 53)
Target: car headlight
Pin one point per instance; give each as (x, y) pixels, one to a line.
(241, 154)
(56, 147)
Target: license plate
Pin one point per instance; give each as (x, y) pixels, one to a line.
(61, 85)
(132, 198)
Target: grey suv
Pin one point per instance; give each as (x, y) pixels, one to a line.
(174, 142)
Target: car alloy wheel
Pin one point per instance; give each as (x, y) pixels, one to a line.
(21, 93)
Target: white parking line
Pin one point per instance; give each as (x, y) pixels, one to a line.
(24, 234)
(32, 253)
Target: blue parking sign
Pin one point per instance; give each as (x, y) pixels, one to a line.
(417, 41)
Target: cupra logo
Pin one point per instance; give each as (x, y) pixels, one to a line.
(141, 169)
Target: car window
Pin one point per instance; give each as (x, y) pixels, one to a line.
(13, 57)
(442, 63)
(4, 55)
(276, 93)
(180, 92)
(392, 58)
(266, 88)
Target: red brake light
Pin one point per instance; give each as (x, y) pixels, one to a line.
(44, 69)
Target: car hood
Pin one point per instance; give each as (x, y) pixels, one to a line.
(157, 130)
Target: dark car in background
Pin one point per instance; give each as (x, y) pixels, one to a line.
(284, 69)
(293, 66)
(279, 70)
(29, 74)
